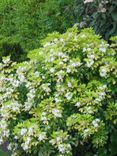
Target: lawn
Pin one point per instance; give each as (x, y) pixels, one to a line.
(3, 153)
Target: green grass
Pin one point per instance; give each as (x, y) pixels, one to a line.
(3, 153)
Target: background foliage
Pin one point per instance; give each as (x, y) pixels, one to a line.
(101, 15)
(27, 21)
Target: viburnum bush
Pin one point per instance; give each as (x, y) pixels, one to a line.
(63, 101)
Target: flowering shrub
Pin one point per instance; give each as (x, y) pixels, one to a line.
(63, 101)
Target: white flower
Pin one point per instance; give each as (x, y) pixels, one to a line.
(83, 35)
(16, 83)
(6, 133)
(22, 78)
(78, 104)
(102, 49)
(52, 70)
(28, 139)
(52, 141)
(37, 74)
(30, 131)
(96, 122)
(103, 10)
(1, 141)
(89, 110)
(88, 1)
(82, 24)
(103, 72)
(51, 59)
(88, 49)
(6, 60)
(47, 44)
(61, 63)
(60, 78)
(58, 139)
(16, 137)
(61, 148)
(98, 100)
(10, 146)
(57, 113)
(102, 94)
(57, 100)
(23, 131)
(44, 113)
(103, 87)
(86, 133)
(69, 84)
(68, 96)
(78, 64)
(46, 88)
(65, 59)
(44, 118)
(55, 40)
(89, 63)
(68, 70)
(91, 56)
(42, 136)
(84, 49)
(25, 147)
(43, 77)
(76, 25)
(61, 39)
(73, 64)
(60, 54)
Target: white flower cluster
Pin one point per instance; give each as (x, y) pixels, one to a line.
(90, 56)
(88, 1)
(46, 87)
(12, 147)
(6, 60)
(30, 99)
(64, 148)
(21, 72)
(103, 71)
(4, 131)
(68, 96)
(86, 133)
(43, 118)
(59, 142)
(56, 113)
(48, 44)
(6, 110)
(96, 122)
(42, 136)
(101, 94)
(26, 145)
(30, 136)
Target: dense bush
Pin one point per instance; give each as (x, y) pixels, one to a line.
(9, 46)
(28, 21)
(63, 101)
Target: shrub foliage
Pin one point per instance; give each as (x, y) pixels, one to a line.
(63, 101)
(28, 21)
